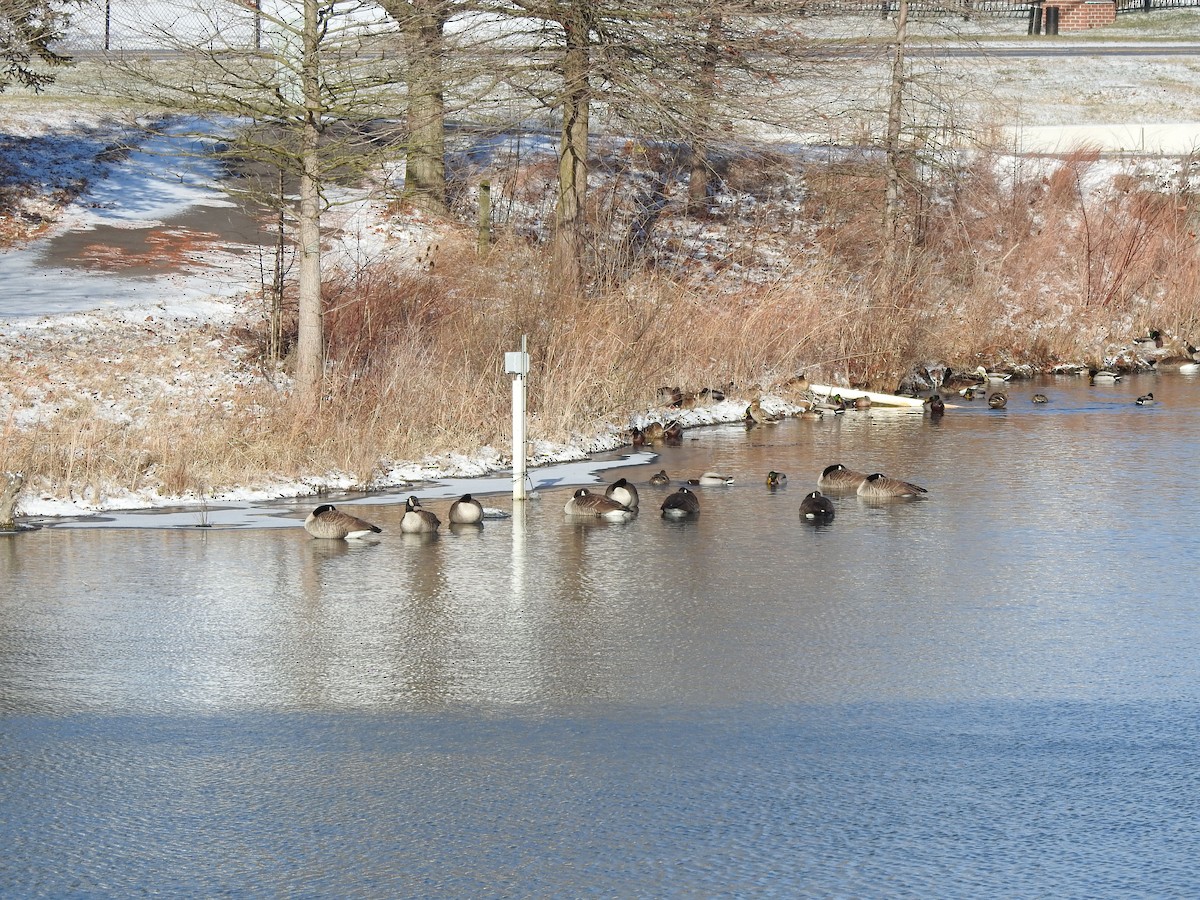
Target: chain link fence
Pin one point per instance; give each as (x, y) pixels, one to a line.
(130, 25)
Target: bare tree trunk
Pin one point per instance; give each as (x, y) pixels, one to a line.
(310, 341)
(706, 92)
(10, 489)
(891, 208)
(425, 172)
(570, 213)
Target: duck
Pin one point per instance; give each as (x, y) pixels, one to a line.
(623, 492)
(991, 377)
(1040, 398)
(837, 478)
(709, 479)
(660, 478)
(1104, 376)
(937, 406)
(637, 437)
(682, 504)
(673, 434)
(653, 432)
(880, 486)
(466, 510)
(863, 402)
(816, 507)
(584, 503)
(329, 522)
(1154, 337)
(998, 400)
(971, 392)
(776, 479)
(417, 520)
(1146, 400)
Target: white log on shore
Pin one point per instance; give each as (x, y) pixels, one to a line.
(827, 391)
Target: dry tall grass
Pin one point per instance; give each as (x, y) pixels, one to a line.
(1042, 264)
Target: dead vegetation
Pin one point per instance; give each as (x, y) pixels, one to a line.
(1037, 263)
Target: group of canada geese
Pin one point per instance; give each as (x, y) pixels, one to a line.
(981, 380)
(329, 522)
(619, 502)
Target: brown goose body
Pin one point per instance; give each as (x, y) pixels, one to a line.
(881, 487)
(838, 479)
(681, 505)
(584, 503)
(623, 492)
(417, 520)
(466, 510)
(330, 523)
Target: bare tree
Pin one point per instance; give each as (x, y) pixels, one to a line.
(28, 30)
(304, 103)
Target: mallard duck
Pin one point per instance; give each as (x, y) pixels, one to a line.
(1146, 400)
(653, 432)
(776, 479)
(660, 478)
(637, 437)
(816, 506)
(326, 521)
(937, 406)
(998, 400)
(710, 479)
(585, 503)
(466, 510)
(970, 393)
(623, 492)
(673, 434)
(838, 479)
(991, 377)
(880, 486)
(1154, 337)
(1040, 398)
(862, 402)
(681, 504)
(417, 520)
(1105, 376)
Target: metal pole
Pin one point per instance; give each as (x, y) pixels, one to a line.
(517, 365)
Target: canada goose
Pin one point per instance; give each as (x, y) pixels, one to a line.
(1040, 398)
(1104, 376)
(623, 492)
(838, 479)
(326, 521)
(660, 478)
(681, 505)
(584, 503)
(776, 479)
(1183, 365)
(417, 520)
(1146, 400)
(816, 506)
(937, 406)
(998, 400)
(466, 510)
(709, 479)
(879, 486)
(991, 377)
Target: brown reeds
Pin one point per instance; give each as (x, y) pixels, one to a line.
(1040, 266)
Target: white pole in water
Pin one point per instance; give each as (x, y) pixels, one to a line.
(517, 365)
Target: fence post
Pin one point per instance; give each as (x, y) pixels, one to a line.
(485, 217)
(107, 24)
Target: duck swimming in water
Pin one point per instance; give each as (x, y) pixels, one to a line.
(776, 479)
(1146, 400)
(660, 478)
(998, 400)
(711, 479)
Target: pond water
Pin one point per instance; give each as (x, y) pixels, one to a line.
(994, 691)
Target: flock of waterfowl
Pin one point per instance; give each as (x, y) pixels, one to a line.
(329, 522)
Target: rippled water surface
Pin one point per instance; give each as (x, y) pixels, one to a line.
(990, 692)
